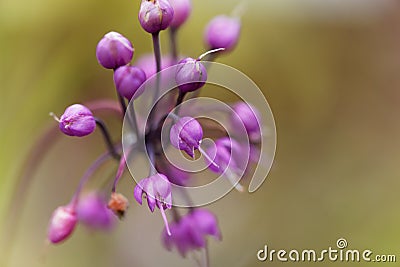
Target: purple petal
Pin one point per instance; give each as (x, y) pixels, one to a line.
(207, 222)
(138, 191)
(151, 202)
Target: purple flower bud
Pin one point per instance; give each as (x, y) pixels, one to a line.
(186, 135)
(93, 212)
(77, 120)
(155, 15)
(114, 51)
(128, 80)
(157, 189)
(147, 63)
(182, 9)
(191, 231)
(247, 115)
(62, 224)
(190, 75)
(222, 32)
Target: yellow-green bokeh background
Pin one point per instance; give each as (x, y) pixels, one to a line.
(330, 71)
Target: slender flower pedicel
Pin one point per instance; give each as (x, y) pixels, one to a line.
(182, 10)
(114, 50)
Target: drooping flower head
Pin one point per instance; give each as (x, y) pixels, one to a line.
(155, 15)
(231, 158)
(225, 152)
(186, 134)
(157, 189)
(182, 9)
(247, 115)
(114, 50)
(77, 120)
(191, 231)
(128, 80)
(190, 75)
(93, 212)
(62, 224)
(222, 32)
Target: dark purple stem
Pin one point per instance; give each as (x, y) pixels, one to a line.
(122, 103)
(133, 120)
(157, 55)
(152, 157)
(121, 168)
(107, 138)
(85, 178)
(179, 101)
(25, 178)
(157, 50)
(174, 45)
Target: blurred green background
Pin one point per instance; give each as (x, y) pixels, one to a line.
(330, 71)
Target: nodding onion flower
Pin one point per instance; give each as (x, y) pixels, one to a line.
(157, 190)
(190, 232)
(186, 232)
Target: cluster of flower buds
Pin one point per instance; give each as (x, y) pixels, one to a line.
(114, 51)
